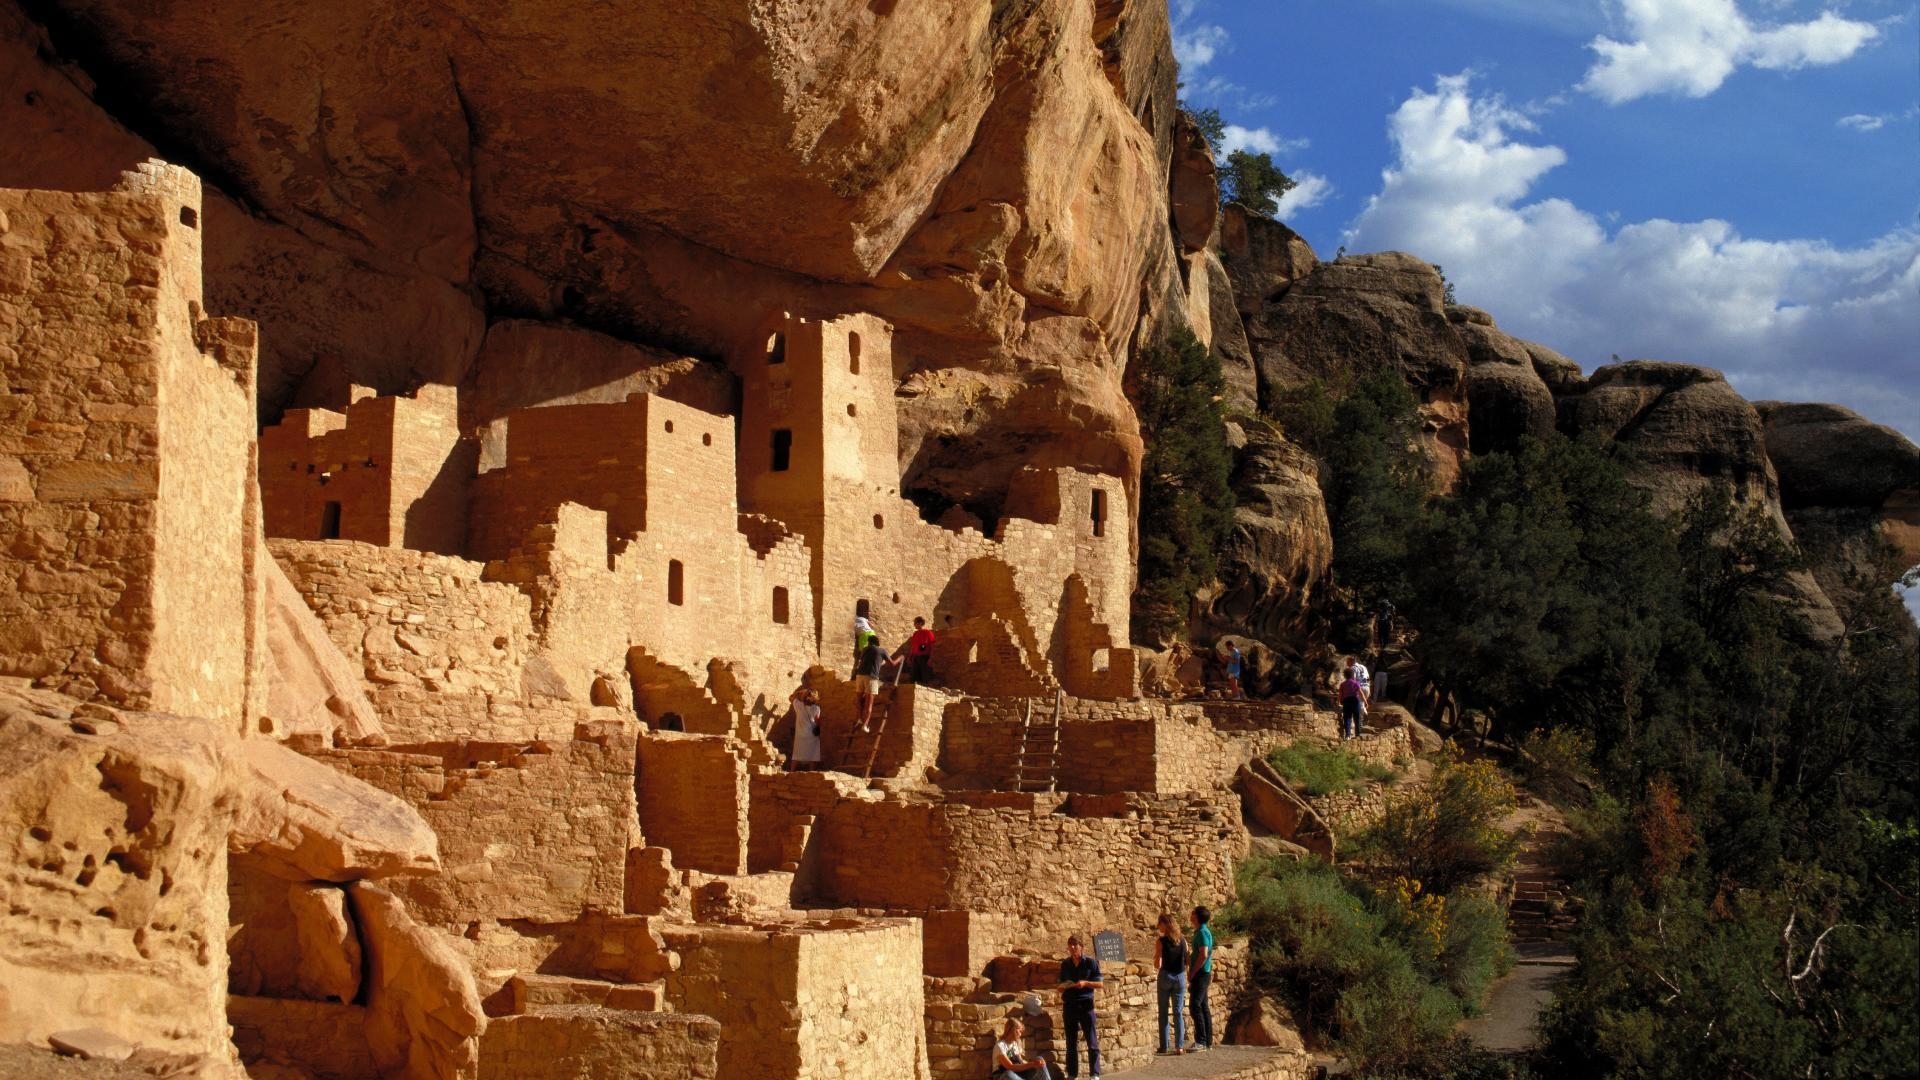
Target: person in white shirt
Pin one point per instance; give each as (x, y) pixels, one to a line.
(1010, 1061)
(1361, 674)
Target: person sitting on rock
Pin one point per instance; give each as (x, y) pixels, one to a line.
(1010, 1061)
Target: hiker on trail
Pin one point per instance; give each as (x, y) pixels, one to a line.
(1359, 671)
(1079, 978)
(917, 652)
(805, 704)
(864, 634)
(1233, 670)
(1010, 1060)
(1170, 956)
(1350, 695)
(867, 678)
(1199, 977)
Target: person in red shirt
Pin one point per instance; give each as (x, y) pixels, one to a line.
(918, 652)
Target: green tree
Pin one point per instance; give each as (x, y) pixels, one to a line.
(1186, 501)
(1208, 123)
(1253, 181)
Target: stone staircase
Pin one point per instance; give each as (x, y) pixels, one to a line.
(1541, 908)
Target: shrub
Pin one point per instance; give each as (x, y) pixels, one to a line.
(1446, 833)
(1383, 975)
(1323, 770)
(1559, 764)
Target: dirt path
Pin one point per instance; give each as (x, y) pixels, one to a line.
(1539, 917)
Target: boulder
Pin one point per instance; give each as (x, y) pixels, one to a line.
(423, 1010)
(1263, 257)
(1266, 1022)
(329, 948)
(1506, 398)
(112, 827)
(1827, 455)
(305, 821)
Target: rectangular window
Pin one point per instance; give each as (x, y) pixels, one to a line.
(1099, 513)
(777, 349)
(863, 609)
(780, 604)
(782, 450)
(330, 521)
(676, 582)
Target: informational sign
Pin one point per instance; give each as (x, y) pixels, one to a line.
(1109, 947)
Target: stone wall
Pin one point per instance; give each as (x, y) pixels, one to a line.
(414, 619)
(534, 831)
(389, 471)
(693, 800)
(815, 1001)
(1105, 747)
(586, 1042)
(108, 363)
(1057, 864)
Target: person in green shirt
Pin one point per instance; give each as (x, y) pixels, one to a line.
(1199, 975)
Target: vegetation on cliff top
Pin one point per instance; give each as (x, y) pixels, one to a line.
(1250, 179)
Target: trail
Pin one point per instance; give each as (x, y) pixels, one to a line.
(1540, 916)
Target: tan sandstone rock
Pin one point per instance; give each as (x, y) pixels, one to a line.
(329, 946)
(303, 820)
(422, 1009)
(313, 689)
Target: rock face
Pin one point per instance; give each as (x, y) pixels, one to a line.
(1281, 548)
(1846, 479)
(990, 178)
(1689, 432)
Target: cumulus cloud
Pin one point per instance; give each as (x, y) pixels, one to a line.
(1196, 46)
(1258, 140)
(1863, 122)
(1309, 190)
(1798, 319)
(1690, 47)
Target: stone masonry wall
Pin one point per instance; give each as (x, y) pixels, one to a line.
(585, 1042)
(1107, 862)
(414, 619)
(817, 1001)
(693, 800)
(527, 831)
(107, 363)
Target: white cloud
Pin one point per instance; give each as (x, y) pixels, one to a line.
(1258, 140)
(1796, 319)
(1196, 46)
(1863, 122)
(1309, 190)
(1690, 47)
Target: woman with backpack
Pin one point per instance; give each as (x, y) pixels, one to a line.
(1170, 956)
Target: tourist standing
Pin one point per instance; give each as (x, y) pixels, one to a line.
(1079, 978)
(866, 678)
(917, 653)
(1010, 1060)
(1199, 977)
(1350, 706)
(1360, 674)
(806, 730)
(1170, 956)
(864, 634)
(1233, 670)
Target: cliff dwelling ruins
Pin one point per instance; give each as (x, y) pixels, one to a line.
(399, 740)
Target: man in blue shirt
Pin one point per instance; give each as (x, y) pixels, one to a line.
(1199, 975)
(1079, 978)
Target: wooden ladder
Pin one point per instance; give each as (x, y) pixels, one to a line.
(1037, 765)
(882, 712)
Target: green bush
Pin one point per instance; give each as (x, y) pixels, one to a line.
(1323, 770)
(1358, 972)
(1446, 833)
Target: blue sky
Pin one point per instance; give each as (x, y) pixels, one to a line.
(1734, 183)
